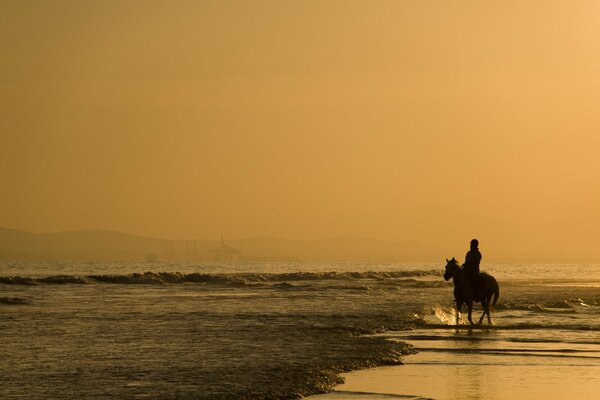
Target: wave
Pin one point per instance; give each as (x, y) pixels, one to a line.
(516, 327)
(345, 394)
(458, 338)
(17, 280)
(62, 279)
(153, 278)
(13, 301)
(335, 275)
(533, 306)
(539, 308)
(567, 351)
(556, 306)
(585, 303)
(415, 283)
(586, 354)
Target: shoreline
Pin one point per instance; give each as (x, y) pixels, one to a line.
(492, 364)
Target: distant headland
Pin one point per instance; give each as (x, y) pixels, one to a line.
(104, 245)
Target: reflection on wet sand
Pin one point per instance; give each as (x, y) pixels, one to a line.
(477, 364)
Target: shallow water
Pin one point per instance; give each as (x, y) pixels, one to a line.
(274, 330)
(545, 343)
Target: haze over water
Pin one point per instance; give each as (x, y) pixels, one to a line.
(420, 121)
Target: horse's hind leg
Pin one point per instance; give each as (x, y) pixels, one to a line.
(488, 314)
(486, 310)
(470, 310)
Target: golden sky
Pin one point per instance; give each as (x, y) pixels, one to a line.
(433, 121)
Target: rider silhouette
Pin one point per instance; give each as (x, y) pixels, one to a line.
(472, 260)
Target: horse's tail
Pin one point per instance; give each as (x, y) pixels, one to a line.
(496, 293)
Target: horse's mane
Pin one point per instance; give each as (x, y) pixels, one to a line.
(455, 262)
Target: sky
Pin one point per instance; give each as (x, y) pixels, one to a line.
(429, 121)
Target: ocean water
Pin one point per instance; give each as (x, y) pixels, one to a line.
(278, 330)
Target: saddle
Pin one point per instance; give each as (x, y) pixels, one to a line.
(478, 286)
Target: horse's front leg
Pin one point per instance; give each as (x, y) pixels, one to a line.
(470, 310)
(458, 310)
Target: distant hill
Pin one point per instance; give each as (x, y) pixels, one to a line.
(102, 245)
(75, 245)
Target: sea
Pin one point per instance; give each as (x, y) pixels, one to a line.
(286, 330)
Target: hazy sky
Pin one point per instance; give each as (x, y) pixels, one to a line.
(435, 121)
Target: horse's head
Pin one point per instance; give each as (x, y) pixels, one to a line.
(451, 268)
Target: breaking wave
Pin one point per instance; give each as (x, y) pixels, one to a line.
(11, 301)
(557, 306)
(283, 279)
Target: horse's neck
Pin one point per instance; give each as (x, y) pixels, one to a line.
(460, 277)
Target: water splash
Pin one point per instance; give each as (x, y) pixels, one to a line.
(446, 315)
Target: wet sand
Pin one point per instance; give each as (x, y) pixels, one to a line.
(482, 365)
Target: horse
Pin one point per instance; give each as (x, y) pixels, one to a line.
(463, 292)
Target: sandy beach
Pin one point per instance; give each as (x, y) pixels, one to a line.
(491, 364)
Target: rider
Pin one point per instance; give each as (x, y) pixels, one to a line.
(472, 260)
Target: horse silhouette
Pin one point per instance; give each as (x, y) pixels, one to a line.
(463, 292)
